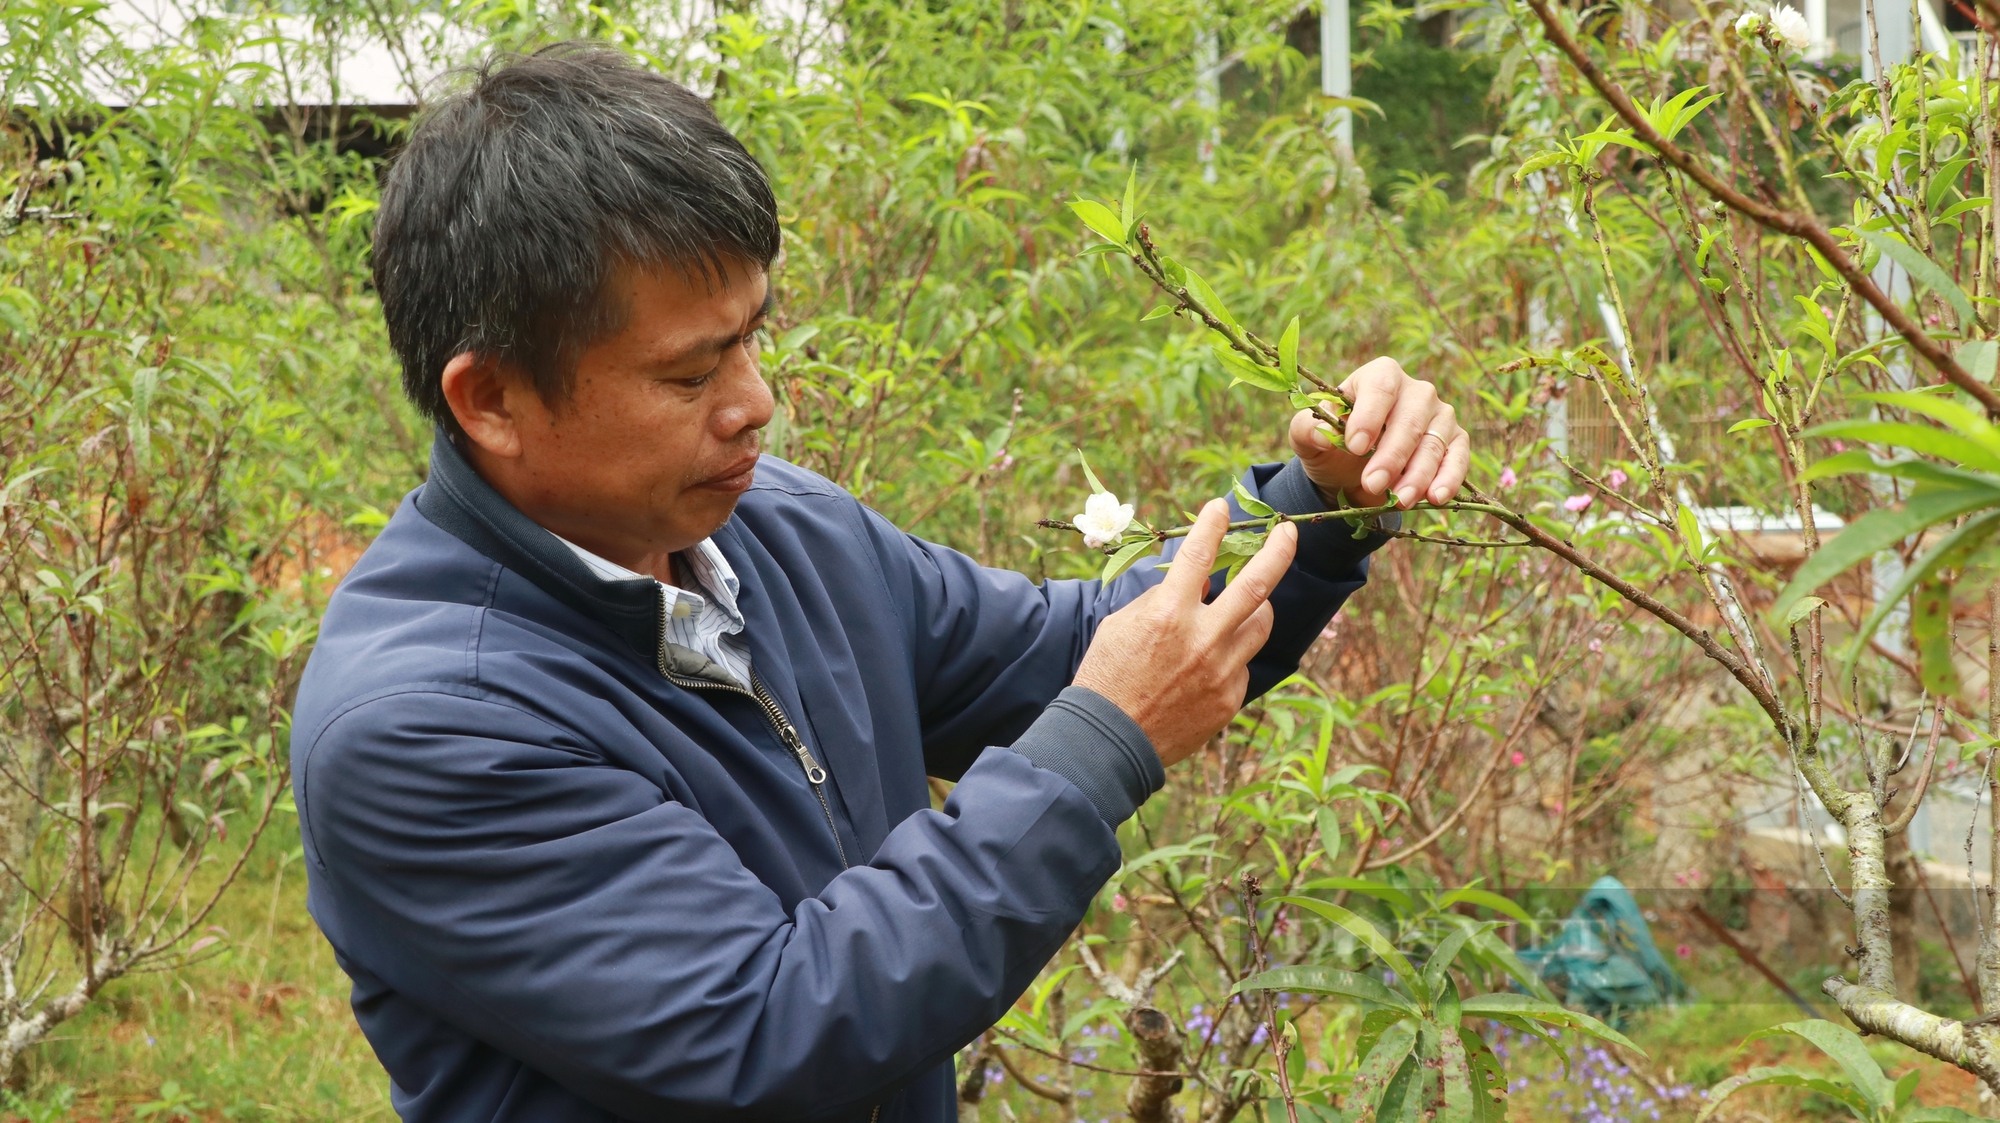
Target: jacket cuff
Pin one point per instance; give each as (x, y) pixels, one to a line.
(1086, 739)
(1326, 549)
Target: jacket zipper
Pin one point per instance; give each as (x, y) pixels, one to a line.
(780, 724)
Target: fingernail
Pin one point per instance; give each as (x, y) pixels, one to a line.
(1407, 496)
(1318, 439)
(1357, 443)
(1376, 481)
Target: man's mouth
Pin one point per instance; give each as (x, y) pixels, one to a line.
(737, 477)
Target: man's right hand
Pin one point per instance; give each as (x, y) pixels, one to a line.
(1176, 666)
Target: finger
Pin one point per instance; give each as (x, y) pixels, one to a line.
(1451, 475)
(1432, 444)
(1307, 440)
(1414, 407)
(1187, 577)
(1251, 635)
(1254, 582)
(1374, 386)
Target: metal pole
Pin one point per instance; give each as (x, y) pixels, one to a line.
(1336, 77)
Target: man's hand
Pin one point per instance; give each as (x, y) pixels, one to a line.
(1419, 450)
(1176, 666)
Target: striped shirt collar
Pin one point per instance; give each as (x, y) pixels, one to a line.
(711, 572)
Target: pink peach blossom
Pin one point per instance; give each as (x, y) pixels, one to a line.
(1577, 503)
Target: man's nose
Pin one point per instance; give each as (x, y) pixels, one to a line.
(748, 403)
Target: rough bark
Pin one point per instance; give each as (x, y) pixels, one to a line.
(1902, 867)
(1159, 1042)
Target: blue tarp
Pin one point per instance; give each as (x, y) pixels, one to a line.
(1603, 960)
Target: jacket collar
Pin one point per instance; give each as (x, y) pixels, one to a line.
(456, 499)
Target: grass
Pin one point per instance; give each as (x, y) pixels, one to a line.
(261, 1031)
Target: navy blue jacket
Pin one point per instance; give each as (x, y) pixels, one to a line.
(571, 880)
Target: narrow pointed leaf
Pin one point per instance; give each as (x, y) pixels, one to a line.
(1328, 980)
(1457, 1075)
(1953, 549)
(1088, 475)
(1521, 1006)
(1256, 508)
(1379, 1068)
(1121, 561)
(1367, 933)
(1851, 1053)
(1486, 898)
(1877, 531)
(1328, 825)
(1288, 350)
(1924, 271)
(1099, 218)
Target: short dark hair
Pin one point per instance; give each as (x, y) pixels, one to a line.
(519, 196)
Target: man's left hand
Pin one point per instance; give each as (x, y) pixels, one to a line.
(1418, 449)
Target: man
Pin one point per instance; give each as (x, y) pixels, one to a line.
(611, 757)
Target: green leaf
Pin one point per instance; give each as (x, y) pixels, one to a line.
(1496, 950)
(1906, 1087)
(1783, 1076)
(1977, 356)
(1803, 609)
(1122, 560)
(1925, 439)
(1099, 218)
(1090, 476)
(1379, 1069)
(1256, 508)
(1692, 541)
(1877, 531)
(1160, 312)
(1388, 894)
(1544, 160)
(1198, 288)
(1256, 374)
(1962, 206)
(1456, 1072)
(1486, 898)
(1616, 136)
(1939, 1115)
(1127, 206)
(1437, 972)
(1962, 419)
(1403, 1099)
(1370, 936)
(1489, 1079)
(1329, 832)
(1749, 423)
(1930, 627)
(1942, 181)
(1288, 351)
(1923, 270)
(1938, 476)
(1961, 543)
(1521, 1006)
(1328, 980)
(1851, 1053)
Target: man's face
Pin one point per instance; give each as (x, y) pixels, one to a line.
(659, 437)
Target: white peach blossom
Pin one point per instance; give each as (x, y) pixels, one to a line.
(1790, 26)
(1103, 519)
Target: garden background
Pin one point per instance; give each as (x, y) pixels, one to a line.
(200, 430)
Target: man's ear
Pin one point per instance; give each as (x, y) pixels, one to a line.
(487, 401)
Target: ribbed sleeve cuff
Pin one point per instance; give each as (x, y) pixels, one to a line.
(1326, 549)
(1086, 739)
